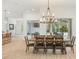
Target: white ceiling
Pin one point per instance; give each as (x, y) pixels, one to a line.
(18, 7)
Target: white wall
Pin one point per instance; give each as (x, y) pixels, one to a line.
(59, 13)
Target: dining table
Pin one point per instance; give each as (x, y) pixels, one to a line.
(33, 39)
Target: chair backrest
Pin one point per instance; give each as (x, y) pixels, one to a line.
(39, 38)
(73, 40)
(49, 39)
(59, 40)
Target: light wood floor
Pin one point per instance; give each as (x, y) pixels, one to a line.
(16, 50)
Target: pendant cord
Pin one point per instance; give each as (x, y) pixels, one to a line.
(48, 4)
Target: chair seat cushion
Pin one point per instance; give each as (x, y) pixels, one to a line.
(40, 44)
(58, 47)
(31, 44)
(39, 47)
(69, 45)
(49, 47)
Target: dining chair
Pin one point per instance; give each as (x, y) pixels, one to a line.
(39, 42)
(28, 43)
(49, 39)
(70, 43)
(59, 44)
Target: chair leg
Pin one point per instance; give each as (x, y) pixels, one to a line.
(45, 51)
(62, 51)
(34, 50)
(54, 50)
(27, 48)
(65, 51)
(72, 48)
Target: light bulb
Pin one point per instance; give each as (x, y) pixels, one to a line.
(53, 14)
(56, 20)
(43, 13)
(8, 12)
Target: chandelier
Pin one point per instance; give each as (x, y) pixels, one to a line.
(48, 19)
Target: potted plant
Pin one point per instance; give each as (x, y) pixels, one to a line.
(64, 30)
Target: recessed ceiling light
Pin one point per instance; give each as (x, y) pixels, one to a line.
(33, 9)
(8, 12)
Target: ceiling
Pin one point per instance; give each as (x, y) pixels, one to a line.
(18, 7)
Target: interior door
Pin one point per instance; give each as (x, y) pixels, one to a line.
(19, 27)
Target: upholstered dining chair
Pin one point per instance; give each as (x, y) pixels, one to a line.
(28, 43)
(59, 44)
(49, 39)
(70, 43)
(39, 42)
